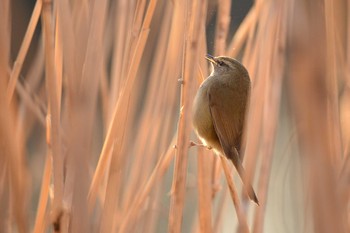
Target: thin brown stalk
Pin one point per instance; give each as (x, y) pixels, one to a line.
(4, 197)
(111, 198)
(251, 49)
(273, 97)
(137, 26)
(222, 26)
(39, 226)
(332, 83)
(184, 127)
(126, 42)
(104, 93)
(139, 13)
(70, 50)
(205, 190)
(119, 51)
(221, 208)
(205, 158)
(243, 225)
(24, 49)
(13, 177)
(345, 171)
(52, 93)
(58, 60)
(347, 55)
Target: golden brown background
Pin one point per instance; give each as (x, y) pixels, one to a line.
(95, 115)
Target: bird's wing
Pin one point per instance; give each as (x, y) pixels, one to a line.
(228, 127)
(226, 116)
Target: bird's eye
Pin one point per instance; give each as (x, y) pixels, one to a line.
(221, 63)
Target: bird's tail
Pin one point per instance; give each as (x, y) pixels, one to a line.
(234, 157)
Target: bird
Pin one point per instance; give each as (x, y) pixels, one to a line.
(220, 109)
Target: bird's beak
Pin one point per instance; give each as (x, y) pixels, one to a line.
(211, 59)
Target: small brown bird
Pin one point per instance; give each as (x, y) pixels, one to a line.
(219, 111)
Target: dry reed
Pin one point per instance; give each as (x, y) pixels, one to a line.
(111, 83)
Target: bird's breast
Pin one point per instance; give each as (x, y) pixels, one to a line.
(202, 120)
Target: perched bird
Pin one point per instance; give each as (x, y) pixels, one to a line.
(219, 111)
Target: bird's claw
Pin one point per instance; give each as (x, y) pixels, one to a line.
(192, 143)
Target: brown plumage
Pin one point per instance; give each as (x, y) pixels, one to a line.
(219, 111)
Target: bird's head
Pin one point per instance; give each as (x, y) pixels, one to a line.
(223, 65)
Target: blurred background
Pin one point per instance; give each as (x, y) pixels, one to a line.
(95, 116)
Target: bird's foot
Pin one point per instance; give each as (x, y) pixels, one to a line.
(192, 143)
